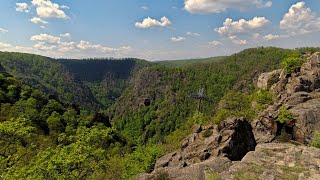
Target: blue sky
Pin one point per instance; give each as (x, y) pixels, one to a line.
(155, 29)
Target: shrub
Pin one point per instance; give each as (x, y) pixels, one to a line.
(316, 139)
(162, 175)
(291, 64)
(263, 99)
(284, 115)
(207, 133)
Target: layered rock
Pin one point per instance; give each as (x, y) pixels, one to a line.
(268, 161)
(299, 93)
(233, 138)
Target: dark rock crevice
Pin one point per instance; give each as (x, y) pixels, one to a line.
(242, 141)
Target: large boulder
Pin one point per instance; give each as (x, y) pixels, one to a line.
(233, 138)
(266, 80)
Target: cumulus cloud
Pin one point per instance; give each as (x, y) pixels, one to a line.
(270, 37)
(45, 38)
(217, 6)
(66, 35)
(178, 39)
(149, 23)
(242, 26)
(238, 41)
(300, 20)
(48, 9)
(22, 7)
(3, 31)
(193, 34)
(48, 43)
(38, 20)
(215, 43)
(239, 31)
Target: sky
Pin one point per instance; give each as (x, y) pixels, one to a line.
(155, 29)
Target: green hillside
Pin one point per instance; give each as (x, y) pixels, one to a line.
(92, 84)
(169, 91)
(177, 63)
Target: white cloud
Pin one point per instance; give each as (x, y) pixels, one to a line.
(239, 31)
(64, 7)
(48, 44)
(37, 20)
(22, 7)
(145, 7)
(47, 9)
(42, 27)
(238, 41)
(5, 45)
(217, 6)
(45, 38)
(215, 43)
(193, 34)
(300, 20)
(3, 31)
(242, 26)
(270, 37)
(149, 23)
(66, 35)
(177, 39)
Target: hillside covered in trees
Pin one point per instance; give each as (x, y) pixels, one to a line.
(93, 84)
(112, 119)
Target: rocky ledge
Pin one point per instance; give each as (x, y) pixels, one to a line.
(270, 161)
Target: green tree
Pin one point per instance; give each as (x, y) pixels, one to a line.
(54, 123)
(16, 137)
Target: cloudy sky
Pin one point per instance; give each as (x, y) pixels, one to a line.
(155, 29)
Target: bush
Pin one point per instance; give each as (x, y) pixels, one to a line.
(316, 139)
(207, 133)
(284, 115)
(291, 64)
(162, 175)
(263, 99)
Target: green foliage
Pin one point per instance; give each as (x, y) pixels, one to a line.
(284, 115)
(263, 98)
(207, 133)
(54, 123)
(235, 104)
(170, 90)
(291, 63)
(316, 139)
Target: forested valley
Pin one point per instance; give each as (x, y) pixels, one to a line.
(113, 118)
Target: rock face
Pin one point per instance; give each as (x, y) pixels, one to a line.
(233, 139)
(265, 80)
(299, 93)
(269, 161)
(277, 161)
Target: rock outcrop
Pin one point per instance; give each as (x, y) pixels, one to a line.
(268, 161)
(299, 93)
(233, 138)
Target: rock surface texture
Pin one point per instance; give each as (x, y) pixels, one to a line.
(299, 93)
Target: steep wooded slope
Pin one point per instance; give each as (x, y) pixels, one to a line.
(169, 90)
